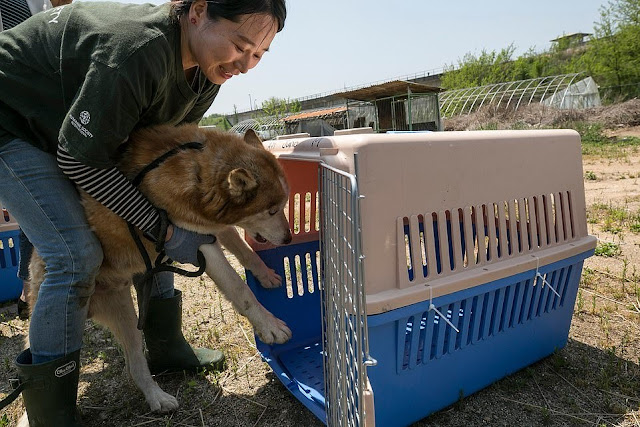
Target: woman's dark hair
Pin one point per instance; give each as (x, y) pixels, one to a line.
(233, 9)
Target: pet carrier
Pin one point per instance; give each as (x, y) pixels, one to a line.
(423, 267)
(10, 285)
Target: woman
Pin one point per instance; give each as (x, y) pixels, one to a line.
(13, 12)
(74, 82)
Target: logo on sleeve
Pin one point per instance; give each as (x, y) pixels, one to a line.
(85, 117)
(79, 123)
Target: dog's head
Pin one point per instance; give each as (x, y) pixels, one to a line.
(232, 180)
(259, 188)
(251, 192)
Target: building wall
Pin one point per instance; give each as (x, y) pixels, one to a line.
(326, 101)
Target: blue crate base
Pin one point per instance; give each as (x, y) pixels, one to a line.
(504, 326)
(10, 285)
(423, 364)
(297, 363)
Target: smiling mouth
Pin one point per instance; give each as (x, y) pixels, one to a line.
(259, 238)
(227, 75)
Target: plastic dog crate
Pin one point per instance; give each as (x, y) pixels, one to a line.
(10, 284)
(424, 267)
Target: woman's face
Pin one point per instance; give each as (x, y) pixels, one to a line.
(222, 48)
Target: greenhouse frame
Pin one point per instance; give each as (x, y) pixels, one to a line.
(566, 91)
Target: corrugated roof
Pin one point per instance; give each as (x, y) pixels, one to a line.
(315, 114)
(384, 90)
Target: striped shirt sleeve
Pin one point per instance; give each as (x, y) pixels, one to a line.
(112, 189)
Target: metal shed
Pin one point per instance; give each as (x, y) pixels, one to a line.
(396, 105)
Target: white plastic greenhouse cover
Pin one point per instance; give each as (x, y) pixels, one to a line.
(582, 94)
(266, 127)
(563, 91)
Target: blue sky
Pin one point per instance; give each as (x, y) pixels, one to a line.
(328, 45)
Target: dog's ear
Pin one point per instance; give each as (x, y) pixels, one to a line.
(252, 138)
(240, 181)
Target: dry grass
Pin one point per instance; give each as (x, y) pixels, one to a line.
(593, 381)
(535, 116)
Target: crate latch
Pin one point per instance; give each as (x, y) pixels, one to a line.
(541, 277)
(443, 317)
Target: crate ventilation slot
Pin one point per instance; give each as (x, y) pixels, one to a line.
(8, 253)
(437, 244)
(302, 274)
(303, 217)
(425, 336)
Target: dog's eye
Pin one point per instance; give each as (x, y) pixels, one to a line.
(273, 211)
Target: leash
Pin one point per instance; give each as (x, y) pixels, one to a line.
(18, 387)
(143, 282)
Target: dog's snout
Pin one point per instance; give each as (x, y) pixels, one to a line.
(287, 238)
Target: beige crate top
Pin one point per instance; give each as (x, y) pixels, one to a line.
(522, 191)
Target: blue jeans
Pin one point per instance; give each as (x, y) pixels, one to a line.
(47, 207)
(162, 282)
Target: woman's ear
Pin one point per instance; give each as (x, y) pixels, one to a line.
(198, 11)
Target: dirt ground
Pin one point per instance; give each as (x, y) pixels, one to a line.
(594, 380)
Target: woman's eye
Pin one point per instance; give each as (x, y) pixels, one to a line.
(239, 49)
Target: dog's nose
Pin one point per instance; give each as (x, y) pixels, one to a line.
(287, 238)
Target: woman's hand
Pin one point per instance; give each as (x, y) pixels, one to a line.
(182, 245)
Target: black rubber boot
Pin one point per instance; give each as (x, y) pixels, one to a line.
(50, 390)
(167, 350)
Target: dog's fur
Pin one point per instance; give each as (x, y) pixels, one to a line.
(233, 181)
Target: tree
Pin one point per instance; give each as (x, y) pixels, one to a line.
(611, 57)
(484, 69)
(216, 120)
(278, 107)
(614, 54)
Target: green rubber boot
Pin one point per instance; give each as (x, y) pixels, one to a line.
(50, 390)
(167, 350)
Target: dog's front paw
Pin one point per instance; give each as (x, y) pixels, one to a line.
(268, 278)
(272, 330)
(159, 401)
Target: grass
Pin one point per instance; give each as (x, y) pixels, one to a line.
(596, 143)
(613, 218)
(608, 249)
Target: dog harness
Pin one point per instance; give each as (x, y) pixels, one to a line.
(143, 282)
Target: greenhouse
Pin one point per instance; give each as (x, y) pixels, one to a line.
(567, 91)
(266, 127)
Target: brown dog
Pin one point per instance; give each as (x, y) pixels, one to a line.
(230, 182)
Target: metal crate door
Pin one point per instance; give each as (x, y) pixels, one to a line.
(346, 350)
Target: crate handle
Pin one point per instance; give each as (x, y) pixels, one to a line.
(433, 307)
(544, 281)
